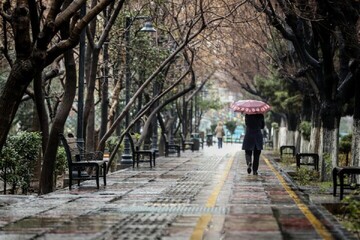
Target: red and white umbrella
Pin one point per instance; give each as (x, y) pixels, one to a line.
(250, 107)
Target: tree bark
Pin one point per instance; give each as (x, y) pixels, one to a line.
(47, 174)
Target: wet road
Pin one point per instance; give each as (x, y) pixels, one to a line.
(202, 195)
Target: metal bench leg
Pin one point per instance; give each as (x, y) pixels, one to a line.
(334, 175)
(104, 173)
(97, 177)
(341, 176)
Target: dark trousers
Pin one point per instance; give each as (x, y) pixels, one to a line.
(255, 161)
(220, 140)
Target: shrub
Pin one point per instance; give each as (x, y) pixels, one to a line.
(18, 159)
(306, 176)
(61, 162)
(111, 143)
(351, 215)
(305, 129)
(345, 148)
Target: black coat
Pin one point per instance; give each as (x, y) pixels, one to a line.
(253, 139)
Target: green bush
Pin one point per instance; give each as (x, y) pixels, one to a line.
(305, 176)
(328, 165)
(18, 159)
(305, 129)
(345, 144)
(61, 161)
(111, 143)
(351, 215)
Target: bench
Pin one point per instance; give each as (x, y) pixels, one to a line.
(84, 161)
(185, 143)
(339, 173)
(169, 147)
(137, 152)
(307, 156)
(287, 149)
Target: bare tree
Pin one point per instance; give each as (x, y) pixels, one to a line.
(38, 42)
(317, 29)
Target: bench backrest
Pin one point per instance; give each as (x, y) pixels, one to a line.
(287, 149)
(314, 156)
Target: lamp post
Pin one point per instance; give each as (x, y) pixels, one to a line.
(126, 158)
(80, 117)
(154, 120)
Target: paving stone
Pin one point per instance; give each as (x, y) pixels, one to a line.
(165, 202)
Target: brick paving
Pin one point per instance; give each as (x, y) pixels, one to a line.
(203, 194)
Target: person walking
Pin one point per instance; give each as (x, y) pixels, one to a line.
(219, 132)
(253, 141)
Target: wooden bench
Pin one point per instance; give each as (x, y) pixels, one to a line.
(185, 143)
(137, 152)
(77, 168)
(170, 148)
(287, 149)
(340, 173)
(307, 156)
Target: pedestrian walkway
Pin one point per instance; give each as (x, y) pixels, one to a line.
(206, 194)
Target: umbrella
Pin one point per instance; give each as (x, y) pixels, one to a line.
(250, 107)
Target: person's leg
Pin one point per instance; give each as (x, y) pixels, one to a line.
(256, 161)
(219, 142)
(248, 154)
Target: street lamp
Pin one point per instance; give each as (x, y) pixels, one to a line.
(126, 158)
(80, 117)
(154, 120)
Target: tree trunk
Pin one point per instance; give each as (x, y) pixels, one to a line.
(355, 150)
(292, 123)
(90, 130)
(89, 102)
(19, 79)
(47, 173)
(314, 146)
(330, 145)
(282, 131)
(104, 94)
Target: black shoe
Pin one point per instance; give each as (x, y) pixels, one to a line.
(249, 168)
(255, 173)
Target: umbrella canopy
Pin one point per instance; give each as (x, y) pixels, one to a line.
(250, 107)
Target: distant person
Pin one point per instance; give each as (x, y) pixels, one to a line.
(219, 132)
(253, 141)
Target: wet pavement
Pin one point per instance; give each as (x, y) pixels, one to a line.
(205, 194)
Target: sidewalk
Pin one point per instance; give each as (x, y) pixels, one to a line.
(202, 195)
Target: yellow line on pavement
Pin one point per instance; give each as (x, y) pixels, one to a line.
(204, 220)
(319, 227)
